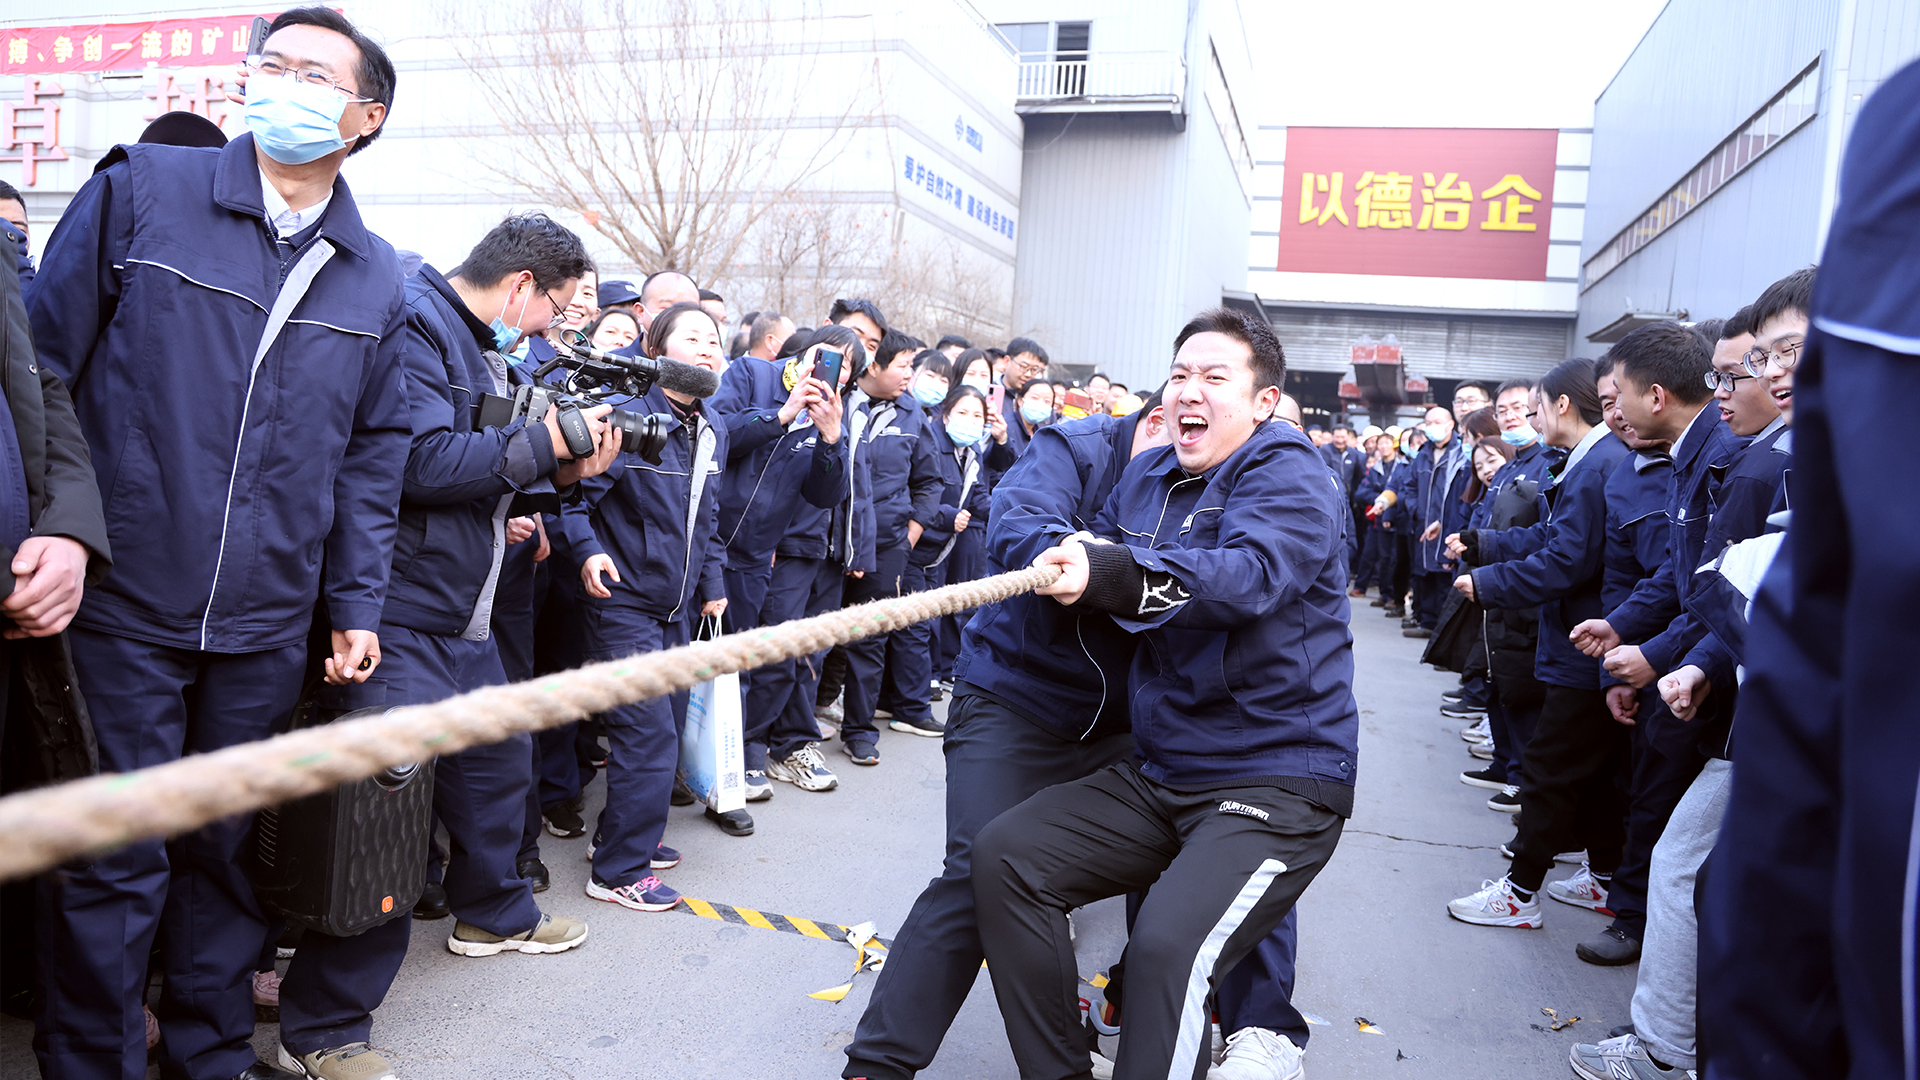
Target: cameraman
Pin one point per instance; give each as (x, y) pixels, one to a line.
(229, 329)
(462, 483)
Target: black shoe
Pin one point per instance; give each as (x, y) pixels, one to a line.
(1378, 601)
(535, 871)
(1493, 777)
(861, 751)
(682, 794)
(564, 821)
(260, 1070)
(1460, 711)
(1623, 1029)
(1506, 800)
(1417, 631)
(733, 822)
(1611, 949)
(1395, 611)
(1452, 697)
(927, 726)
(432, 903)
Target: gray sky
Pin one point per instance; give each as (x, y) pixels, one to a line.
(1430, 63)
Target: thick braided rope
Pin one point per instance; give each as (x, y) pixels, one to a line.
(43, 828)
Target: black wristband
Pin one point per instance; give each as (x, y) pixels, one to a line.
(1114, 580)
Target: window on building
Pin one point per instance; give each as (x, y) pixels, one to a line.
(1070, 58)
(1786, 113)
(1029, 41)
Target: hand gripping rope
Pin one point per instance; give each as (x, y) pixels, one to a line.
(87, 818)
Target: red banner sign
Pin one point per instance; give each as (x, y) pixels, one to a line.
(1422, 202)
(51, 50)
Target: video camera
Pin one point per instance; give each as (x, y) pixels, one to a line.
(592, 378)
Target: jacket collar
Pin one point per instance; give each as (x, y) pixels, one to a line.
(1699, 432)
(236, 186)
(1586, 443)
(482, 333)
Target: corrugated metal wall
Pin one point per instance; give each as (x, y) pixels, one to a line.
(1440, 346)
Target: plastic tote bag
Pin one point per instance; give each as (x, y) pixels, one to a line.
(710, 748)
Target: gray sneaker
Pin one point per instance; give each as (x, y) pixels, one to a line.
(354, 1061)
(1620, 1059)
(804, 769)
(552, 934)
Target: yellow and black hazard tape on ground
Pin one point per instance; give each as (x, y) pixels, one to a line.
(768, 920)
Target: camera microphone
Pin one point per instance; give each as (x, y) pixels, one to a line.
(686, 378)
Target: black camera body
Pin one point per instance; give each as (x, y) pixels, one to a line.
(592, 377)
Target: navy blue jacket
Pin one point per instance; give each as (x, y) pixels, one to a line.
(1652, 617)
(899, 460)
(9, 234)
(228, 484)
(1063, 669)
(1251, 677)
(844, 531)
(1349, 464)
(1433, 476)
(1636, 524)
(770, 469)
(1755, 487)
(663, 540)
(1532, 463)
(1557, 564)
(953, 495)
(1401, 514)
(462, 483)
(1808, 928)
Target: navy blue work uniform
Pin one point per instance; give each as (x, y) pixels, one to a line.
(1435, 469)
(659, 525)
(1234, 583)
(247, 475)
(956, 557)
(1816, 857)
(1511, 636)
(1038, 698)
(1576, 749)
(898, 453)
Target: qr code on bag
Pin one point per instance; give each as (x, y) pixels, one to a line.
(730, 780)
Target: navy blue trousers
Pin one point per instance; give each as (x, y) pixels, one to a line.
(897, 666)
(778, 718)
(479, 795)
(1658, 781)
(151, 704)
(643, 754)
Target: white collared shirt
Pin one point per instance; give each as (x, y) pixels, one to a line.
(285, 220)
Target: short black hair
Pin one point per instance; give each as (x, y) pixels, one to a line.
(847, 342)
(764, 323)
(9, 193)
(1343, 427)
(1574, 380)
(373, 74)
(1473, 384)
(961, 362)
(1666, 354)
(1479, 423)
(1791, 293)
(1602, 367)
(1711, 329)
(614, 313)
(1111, 384)
(663, 324)
(709, 294)
(797, 342)
(953, 339)
(1029, 346)
(1740, 325)
(958, 393)
(1513, 384)
(933, 361)
(844, 307)
(994, 352)
(892, 344)
(530, 241)
(1100, 375)
(1268, 359)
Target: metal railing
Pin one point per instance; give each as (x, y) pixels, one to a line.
(1047, 77)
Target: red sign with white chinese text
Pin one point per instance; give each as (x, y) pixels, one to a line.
(1419, 202)
(53, 50)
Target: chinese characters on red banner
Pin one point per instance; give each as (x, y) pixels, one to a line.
(1482, 213)
(30, 129)
(56, 50)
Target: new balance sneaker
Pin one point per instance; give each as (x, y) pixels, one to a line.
(927, 726)
(758, 790)
(1102, 1065)
(647, 894)
(1463, 711)
(861, 751)
(564, 821)
(1481, 750)
(1506, 800)
(1571, 858)
(1623, 1058)
(1581, 890)
(664, 858)
(552, 934)
(1493, 778)
(1497, 905)
(354, 1061)
(804, 769)
(1258, 1054)
(1478, 731)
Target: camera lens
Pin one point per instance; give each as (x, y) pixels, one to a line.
(641, 433)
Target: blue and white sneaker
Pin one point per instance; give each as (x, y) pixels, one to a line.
(647, 894)
(804, 769)
(664, 858)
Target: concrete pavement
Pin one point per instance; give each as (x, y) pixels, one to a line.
(672, 995)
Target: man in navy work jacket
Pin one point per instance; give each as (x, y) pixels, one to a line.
(228, 327)
(1228, 562)
(462, 483)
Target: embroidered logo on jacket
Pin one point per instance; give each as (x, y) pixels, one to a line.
(1231, 807)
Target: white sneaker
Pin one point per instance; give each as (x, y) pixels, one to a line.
(805, 769)
(1258, 1054)
(1102, 1066)
(1482, 750)
(758, 790)
(1495, 905)
(1580, 890)
(1571, 858)
(1479, 731)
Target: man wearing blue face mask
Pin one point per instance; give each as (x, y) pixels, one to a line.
(230, 332)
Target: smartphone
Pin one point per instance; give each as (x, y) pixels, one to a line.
(1076, 403)
(826, 366)
(997, 398)
(257, 40)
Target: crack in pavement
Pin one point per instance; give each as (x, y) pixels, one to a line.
(1417, 840)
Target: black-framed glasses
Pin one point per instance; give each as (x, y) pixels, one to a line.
(1531, 414)
(559, 313)
(273, 69)
(1725, 380)
(1758, 358)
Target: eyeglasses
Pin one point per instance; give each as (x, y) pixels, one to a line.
(273, 69)
(559, 313)
(1757, 358)
(1725, 380)
(1531, 413)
